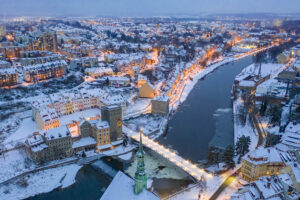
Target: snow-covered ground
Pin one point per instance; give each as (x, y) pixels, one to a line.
(126, 156)
(149, 123)
(40, 182)
(246, 130)
(14, 163)
(27, 128)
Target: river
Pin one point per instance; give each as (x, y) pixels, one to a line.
(204, 119)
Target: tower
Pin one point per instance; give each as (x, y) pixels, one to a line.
(113, 114)
(140, 177)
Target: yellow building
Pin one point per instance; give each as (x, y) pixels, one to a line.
(146, 90)
(261, 162)
(102, 133)
(47, 118)
(69, 108)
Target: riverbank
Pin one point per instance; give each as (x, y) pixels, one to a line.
(40, 182)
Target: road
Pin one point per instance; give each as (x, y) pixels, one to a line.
(226, 183)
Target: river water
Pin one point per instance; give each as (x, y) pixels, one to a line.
(204, 119)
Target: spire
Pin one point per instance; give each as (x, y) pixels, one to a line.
(140, 177)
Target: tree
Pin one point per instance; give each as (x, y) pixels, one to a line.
(106, 81)
(213, 155)
(242, 146)
(83, 154)
(227, 157)
(275, 113)
(272, 140)
(263, 107)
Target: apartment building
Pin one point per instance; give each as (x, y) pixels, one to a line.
(50, 145)
(261, 162)
(8, 77)
(39, 72)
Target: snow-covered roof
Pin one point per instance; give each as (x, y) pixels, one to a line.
(112, 99)
(45, 65)
(99, 70)
(11, 70)
(105, 146)
(48, 114)
(263, 155)
(85, 141)
(291, 137)
(56, 133)
(121, 187)
(118, 78)
(271, 87)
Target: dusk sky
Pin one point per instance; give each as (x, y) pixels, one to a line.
(144, 7)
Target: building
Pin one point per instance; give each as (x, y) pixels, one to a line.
(4, 64)
(118, 81)
(2, 56)
(160, 105)
(113, 115)
(101, 132)
(146, 91)
(39, 57)
(261, 162)
(11, 50)
(39, 72)
(50, 145)
(140, 177)
(8, 77)
(47, 118)
(96, 72)
(85, 62)
(274, 187)
(114, 99)
(43, 41)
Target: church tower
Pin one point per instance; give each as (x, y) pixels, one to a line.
(140, 177)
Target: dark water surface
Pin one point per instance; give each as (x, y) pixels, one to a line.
(205, 118)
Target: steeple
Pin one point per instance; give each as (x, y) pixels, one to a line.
(140, 177)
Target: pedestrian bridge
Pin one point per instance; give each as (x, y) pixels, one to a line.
(182, 163)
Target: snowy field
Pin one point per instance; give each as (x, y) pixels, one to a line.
(27, 128)
(40, 182)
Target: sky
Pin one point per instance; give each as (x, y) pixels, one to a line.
(144, 7)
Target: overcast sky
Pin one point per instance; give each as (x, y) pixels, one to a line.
(144, 7)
